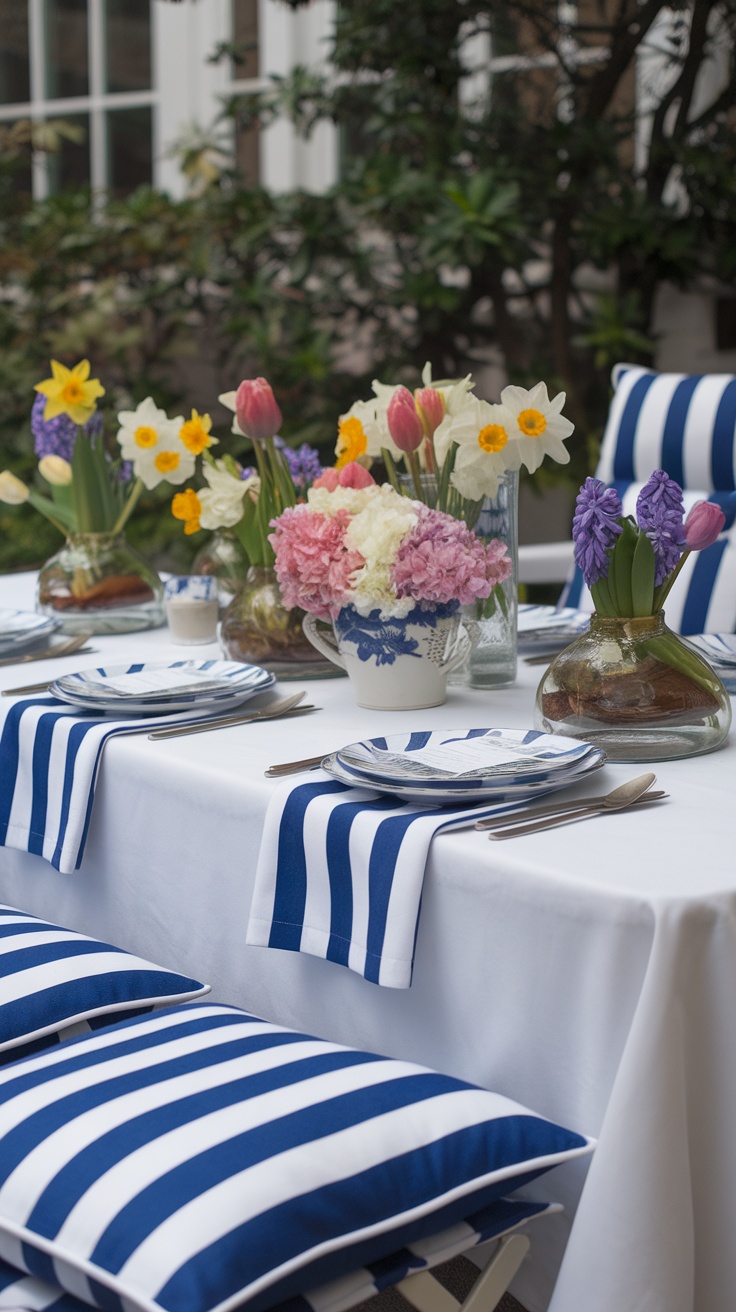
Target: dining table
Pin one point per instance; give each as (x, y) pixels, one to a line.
(588, 971)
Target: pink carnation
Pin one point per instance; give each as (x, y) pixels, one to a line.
(441, 560)
(313, 564)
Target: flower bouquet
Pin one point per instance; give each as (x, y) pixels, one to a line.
(97, 581)
(631, 684)
(390, 573)
(256, 626)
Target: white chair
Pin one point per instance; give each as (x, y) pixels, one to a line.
(686, 425)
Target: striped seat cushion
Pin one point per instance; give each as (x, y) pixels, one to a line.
(703, 597)
(198, 1158)
(51, 978)
(682, 423)
(18, 1290)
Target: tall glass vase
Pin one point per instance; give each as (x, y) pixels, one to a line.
(491, 625)
(223, 557)
(98, 583)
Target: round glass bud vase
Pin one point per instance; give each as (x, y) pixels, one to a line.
(98, 583)
(635, 689)
(258, 629)
(223, 557)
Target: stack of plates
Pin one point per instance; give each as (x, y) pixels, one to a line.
(719, 650)
(22, 629)
(466, 765)
(546, 629)
(158, 687)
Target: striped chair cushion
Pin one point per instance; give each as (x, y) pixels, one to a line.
(51, 978)
(18, 1290)
(199, 1158)
(682, 423)
(703, 598)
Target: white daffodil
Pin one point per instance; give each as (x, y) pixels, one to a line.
(538, 428)
(453, 391)
(151, 441)
(228, 400)
(222, 499)
(485, 450)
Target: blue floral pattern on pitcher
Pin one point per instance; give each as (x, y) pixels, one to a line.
(385, 639)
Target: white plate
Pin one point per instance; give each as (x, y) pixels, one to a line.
(469, 758)
(22, 628)
(462, 796)
(545, 628)
(157, 687)
(719, 649)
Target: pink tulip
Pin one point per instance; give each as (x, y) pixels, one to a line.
(256, 409)
(329, 478)
(355, 475)
(431, 409)
(702, 525)
(404, 423)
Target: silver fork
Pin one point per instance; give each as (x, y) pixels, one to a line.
(293, 767)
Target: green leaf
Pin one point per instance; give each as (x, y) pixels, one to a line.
(620, 568)
(642, 577)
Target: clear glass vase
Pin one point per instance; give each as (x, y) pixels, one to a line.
(259, 630)
(491, 625)
(224, 557)
(635, 689)
(98, 583)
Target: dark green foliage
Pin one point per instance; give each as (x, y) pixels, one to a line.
(462, 230)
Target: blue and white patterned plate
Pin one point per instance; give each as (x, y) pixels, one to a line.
(160, 686)
(458, 796)
(466, 759)
(22, 628)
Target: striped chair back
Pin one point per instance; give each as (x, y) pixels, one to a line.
(686, 425)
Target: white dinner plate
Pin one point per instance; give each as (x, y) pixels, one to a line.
(22, 628)
(466, 758)
(547, 628)
(464, 796)
(157, 687)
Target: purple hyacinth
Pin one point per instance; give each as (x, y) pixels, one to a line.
(56, 437)
(595, 528)
(660, 514)
(304, 465)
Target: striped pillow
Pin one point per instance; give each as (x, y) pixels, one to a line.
(18, 1290)
(682, 423)
(703, 597)
(51, 978)
(199, 1158)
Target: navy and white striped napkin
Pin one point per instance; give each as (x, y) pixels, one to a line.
(340, 874)
(49, 760)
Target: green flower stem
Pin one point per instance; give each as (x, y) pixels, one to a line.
(602, 600)
(443, 486)
(416, 473)
(664, 587)
(393, 476)
(129, 506)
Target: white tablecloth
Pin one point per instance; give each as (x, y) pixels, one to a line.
(589, 971)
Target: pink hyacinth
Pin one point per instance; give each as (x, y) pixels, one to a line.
(702, 525)
(256, 409)
(313, 564)
(441, 560)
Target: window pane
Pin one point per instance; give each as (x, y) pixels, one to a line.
(66, 48)
(245, 39)
(130, 150)
(128, 45)
(15, 83)
(69, 166)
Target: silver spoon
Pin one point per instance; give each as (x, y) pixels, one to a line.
(621, 796)
(286, 706)
(635, 797)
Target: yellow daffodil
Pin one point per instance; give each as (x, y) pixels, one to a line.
(70, 392)
(186, 505)
(195, 433)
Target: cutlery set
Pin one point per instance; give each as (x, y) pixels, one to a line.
(75, 644)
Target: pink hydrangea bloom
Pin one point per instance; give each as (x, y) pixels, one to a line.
(441, 560)
(313, 564)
